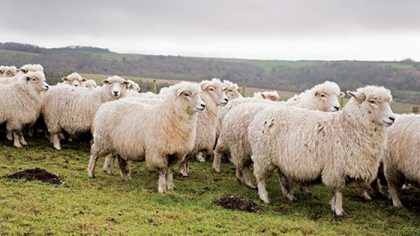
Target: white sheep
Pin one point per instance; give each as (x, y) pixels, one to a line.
(339, 146)
(74, 79)
(234, 136)
(8, 71)
(133, 86)
(31, 67)
(269, 95)
(90, 83)
(402, 159)
(21, 104)
(214, 97)
(161, 134)
(72, 110)
(231, 90)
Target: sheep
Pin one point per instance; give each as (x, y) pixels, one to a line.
(31, 67)
(339, 146)
(72, 110)
(231, 90)
(74, 79)
(402, 159)
(161, 134)
(269, 95)
(21, 104)
(234, 136)
(90, 83)
(133, 86)
(8, 71)
(214, 97)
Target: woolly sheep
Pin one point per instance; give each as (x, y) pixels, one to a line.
(31, 67)
(336, 146)
(8, 71)
(402, 159)
(90, 83)
(21, 104)
(72, 110)
(234, 137)
(161, 134)
(133, 86)
(231, 90)
(214, 97)
(269, 95)
(74, 79)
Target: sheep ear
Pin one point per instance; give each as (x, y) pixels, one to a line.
(360, 97)
(179, 92)
(105, 81)
(341, 95)
(263, 96)
(64, 79)
(204, 85)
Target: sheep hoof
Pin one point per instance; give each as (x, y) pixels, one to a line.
(24, 143)
(216, 169)
(183, 173)
(9, 137)
(366, 197)
(170, 186)
(107, 171)
(339, 213)
(57, 147)
(17, 144)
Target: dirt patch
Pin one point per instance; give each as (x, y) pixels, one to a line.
(36, 174)
(238, 203)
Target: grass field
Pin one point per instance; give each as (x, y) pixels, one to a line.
(107, 205)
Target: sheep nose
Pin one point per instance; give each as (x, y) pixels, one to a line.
(392, 118)
(47, 87)
(337, 108)
(203, 105)
(226, 100)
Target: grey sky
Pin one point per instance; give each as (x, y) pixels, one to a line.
(292, 29)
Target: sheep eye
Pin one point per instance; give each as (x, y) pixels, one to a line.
(372, 102)
(186, 95)
(323, 95)
(211, 89)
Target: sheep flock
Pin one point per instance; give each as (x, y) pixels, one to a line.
(306, 138)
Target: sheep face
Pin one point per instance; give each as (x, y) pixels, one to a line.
(37, 81)
(374, 102)
(270, 95)
(327, 102)
(90, 84)
(231, 91)
(8, 71)
(213, 90)
(133, 86)
(117, 86)
(189, 99)
(74, 79)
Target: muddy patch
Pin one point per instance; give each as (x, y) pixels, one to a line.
(36, 174)
(238, 203)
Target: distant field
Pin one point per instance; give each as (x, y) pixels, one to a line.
(284, 95)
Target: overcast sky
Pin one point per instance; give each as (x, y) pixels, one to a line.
(261, 29)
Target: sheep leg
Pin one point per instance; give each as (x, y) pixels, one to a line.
(55, 139)
(394, 179)
(217, 160)
(125, 170)
(248, 177)
(285, 185)
(22, 139)
(9, 135)
(393, 193)
(365, 191)
(261, 173)
(31, 131)
(94, 156)
(184, 167)
(170, 180)
(108, 164)
(16, 142)
(338, 203)
(162, 181)
(200, 157)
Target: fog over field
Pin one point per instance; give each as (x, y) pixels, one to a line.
(267, 29)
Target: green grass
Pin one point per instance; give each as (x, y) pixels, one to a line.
(107, 205)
